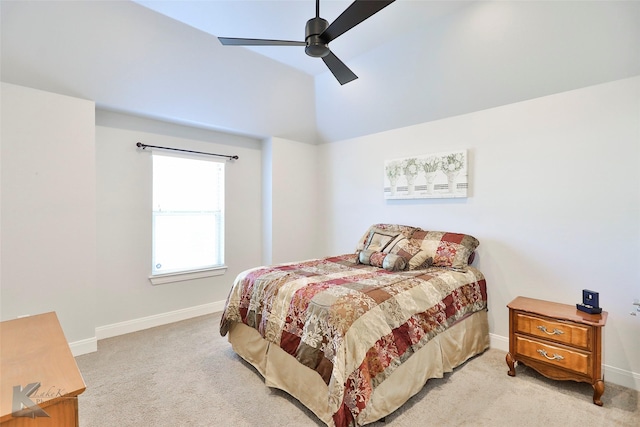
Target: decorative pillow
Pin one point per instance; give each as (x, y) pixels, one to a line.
(451, 250)
(387, 261)
(412, 254)
(394, 229)
(379, 240)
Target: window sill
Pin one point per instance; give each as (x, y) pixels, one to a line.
(160, 279)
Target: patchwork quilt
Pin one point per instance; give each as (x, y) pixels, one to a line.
(353, 324)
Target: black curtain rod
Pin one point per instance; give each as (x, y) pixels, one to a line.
(143, 146)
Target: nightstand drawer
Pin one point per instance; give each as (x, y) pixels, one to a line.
(562, 332)
(575, 361)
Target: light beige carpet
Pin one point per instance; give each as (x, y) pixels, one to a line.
(186, 374)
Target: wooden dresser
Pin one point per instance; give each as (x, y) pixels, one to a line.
(36, 366)
(557, 340)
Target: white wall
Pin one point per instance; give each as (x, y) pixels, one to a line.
(76, 214)
(554, 199)
(48, 209)
(290, 201)
(124, 183)
(488, 54)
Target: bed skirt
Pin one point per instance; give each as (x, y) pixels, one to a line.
(449, 349)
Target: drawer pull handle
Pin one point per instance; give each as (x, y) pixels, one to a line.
(554, 357)
(555, 331)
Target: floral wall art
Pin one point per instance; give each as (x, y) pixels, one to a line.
(439, 175)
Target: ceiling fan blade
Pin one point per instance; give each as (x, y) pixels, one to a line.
(352, 16)
(339, 70)
(231, 41)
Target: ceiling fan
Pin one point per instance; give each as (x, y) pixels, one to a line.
(318, 34)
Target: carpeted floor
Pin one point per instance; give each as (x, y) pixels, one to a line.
(186, 374)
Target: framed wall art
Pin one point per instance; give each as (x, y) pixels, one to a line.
(438, 175)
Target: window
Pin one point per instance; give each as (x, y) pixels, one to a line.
(188, 215)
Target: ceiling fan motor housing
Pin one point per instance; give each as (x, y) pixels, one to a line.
(316, 47)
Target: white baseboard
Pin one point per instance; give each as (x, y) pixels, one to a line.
(621, 377)
(499, 342)
(142, 323)
(90, 345)
(611, 374)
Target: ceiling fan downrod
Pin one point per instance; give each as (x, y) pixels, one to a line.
(316, 47)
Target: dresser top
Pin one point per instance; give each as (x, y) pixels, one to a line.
(34, 350)
(557, 311)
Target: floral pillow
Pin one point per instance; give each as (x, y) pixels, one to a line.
(452, 250)
(418, 248)
(390, 262)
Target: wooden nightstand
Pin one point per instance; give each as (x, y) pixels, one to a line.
(557, 340)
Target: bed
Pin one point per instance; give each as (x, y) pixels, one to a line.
(354, 336)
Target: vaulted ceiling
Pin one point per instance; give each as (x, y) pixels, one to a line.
(285, 20)
(417, 60)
